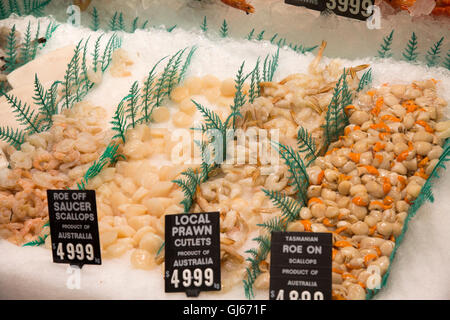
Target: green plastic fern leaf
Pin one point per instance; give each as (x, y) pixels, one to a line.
(224, 29)
(385, 47)
(260, 36)
(336, 118)
(446, 63)
(121, 23)
(132, 105)
(11, 52)
(119, 122)
(24, 114)
(13, 137)
(148, 97)
(114, 23)
(186, 64)
(189, 186)
(26, 50)
(433, 54)
(273, 38)
(35, 243)
(170, 29)
(95, 25)
(250, 35)
(204, 25)
(35, 7)
(365, 81)
(134, 25)
(410, 53)
(14, 7)
(290, 209)
(307, 145)
(255, 79)
(3, 11)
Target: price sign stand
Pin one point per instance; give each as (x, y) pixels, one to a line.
(354, 9)
(74, 227)
(192, 253)
(300, 266)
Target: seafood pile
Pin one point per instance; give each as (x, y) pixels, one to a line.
(362, 188)
(55, 159)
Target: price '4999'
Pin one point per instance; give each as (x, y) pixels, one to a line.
(196, 277)
(75, 252)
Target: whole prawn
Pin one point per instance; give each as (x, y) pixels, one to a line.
(240, 4)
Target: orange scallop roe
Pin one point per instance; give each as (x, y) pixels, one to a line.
(314, 199)
(369, 257)
(425, 125)
(386, 185)
(370, 169)
(306, 224)
(379, 146)
(342, 244)
(354, 157)
(390, 118)
(359, 201)
(376, 110)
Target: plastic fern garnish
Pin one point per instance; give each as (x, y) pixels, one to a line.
(250, 35)
(446, 63)
(134, 25)
(256, 257)
(260, 35)
(410, 53)
(189, 186)
(433, 54)
(186, 64)
(148, 97)
(121, 22)
(114, 43)
(95, 25)
(365, 81)
(132, 105)
(164, 80)
(46, 100)
(336, 119)
(270, 66)
(119, 122)
(35, 243)
(14, 7)
(10, 50)
(299, 178)
(307, 145)
(272, 40)
(144, 25)
(26, 50)
(204, 25)
(3, 11)
(255, 79)
(108, 157)
(24, 115)
(224, 29)
(239, 97)
(385, 47)
(170, 29)
(173, 75)
(426, 193)
(51, 28)
(290, 208)
(114, 23)
(35, 7)
(13, 137)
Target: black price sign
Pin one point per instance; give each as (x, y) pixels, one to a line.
(74, 227)
(192, 253)
(356, 9)
(300, 266)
